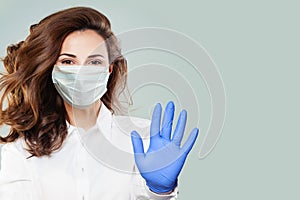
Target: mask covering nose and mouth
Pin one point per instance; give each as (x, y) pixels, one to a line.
(80, 86)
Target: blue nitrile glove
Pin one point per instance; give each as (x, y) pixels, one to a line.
(162, 163)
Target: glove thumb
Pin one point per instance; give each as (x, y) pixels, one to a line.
(137, 143)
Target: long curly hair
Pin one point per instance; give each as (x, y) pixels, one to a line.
(29, 102)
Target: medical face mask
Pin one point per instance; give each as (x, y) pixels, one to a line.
(80, 86)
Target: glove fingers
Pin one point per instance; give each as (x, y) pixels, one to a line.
(168, 121)
(137, 143)
(190, 141)
(179, 131)
(155, 123)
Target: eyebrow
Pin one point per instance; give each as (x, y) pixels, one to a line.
(74, 56)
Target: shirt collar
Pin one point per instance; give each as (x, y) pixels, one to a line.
(104, 120)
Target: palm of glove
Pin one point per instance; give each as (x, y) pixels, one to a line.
(162, 163)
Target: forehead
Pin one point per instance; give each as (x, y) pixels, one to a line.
(83, 43)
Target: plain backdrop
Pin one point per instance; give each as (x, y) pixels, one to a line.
(255, 45)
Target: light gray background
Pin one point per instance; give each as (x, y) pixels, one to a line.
(255, 45)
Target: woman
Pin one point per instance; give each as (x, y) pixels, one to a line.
(62, 90)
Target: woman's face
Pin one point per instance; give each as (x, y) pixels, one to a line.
(83, 48)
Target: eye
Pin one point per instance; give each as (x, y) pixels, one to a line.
(95, 62)
(67, 62)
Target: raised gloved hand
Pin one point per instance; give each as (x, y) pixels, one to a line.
(162, 163)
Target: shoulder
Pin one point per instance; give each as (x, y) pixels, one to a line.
(137, 120)
(18, 148)
(14, 165)
(130, 123)
(124, 125)
(13, 154)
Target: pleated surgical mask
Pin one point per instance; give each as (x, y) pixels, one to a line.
(80, 86)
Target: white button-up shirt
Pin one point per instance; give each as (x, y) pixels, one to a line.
(83, 168)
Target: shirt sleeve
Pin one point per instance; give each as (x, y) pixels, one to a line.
(142, 192)
(15, 176)
(155, 196)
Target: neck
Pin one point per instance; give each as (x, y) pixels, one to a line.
(84, 118)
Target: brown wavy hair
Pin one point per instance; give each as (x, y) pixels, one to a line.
(29, 102)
